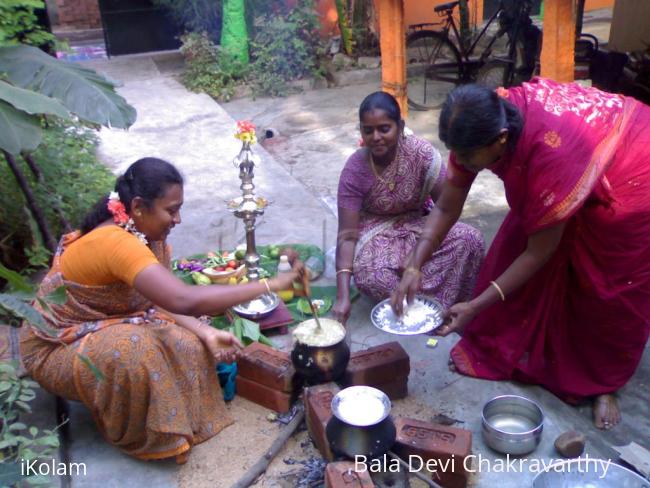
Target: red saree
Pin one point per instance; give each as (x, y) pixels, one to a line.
(580, 325)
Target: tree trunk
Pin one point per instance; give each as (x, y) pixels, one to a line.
(36, 171)
(35, 210)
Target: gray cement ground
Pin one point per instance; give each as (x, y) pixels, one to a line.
(299, 171)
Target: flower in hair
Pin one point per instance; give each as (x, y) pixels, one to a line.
(116, 208)
(121, 218)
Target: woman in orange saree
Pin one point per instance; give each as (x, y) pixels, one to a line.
(135, 322)
(563, 297)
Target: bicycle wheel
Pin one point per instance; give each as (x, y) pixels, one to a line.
(433, 69)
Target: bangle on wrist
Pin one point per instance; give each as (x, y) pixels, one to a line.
(499, 290)
(344, 270)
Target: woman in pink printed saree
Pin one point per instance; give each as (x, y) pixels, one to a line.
(563, 298)
(382, 191)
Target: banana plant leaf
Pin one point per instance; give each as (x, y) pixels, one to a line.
(84, 92)
(19, 131)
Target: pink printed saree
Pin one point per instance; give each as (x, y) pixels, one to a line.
(579, 326)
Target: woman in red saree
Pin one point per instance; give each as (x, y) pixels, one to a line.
(563, 298)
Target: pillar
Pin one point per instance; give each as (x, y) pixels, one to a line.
(558, 47)
(392, 42)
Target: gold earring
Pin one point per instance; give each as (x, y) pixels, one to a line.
(137, 214)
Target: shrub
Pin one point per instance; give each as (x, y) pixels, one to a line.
(19, 24)
(208, 69)
(72, 176)
(286, 47)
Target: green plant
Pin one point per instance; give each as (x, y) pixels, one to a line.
(208, 69)
(286, 47)
(19, 23)
(71, 181)
(20, 443)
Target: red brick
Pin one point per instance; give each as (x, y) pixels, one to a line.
(396, 389)
(343, 475)
(377, 365)
(263, 395)
(434, 441)
(267, 366)
(318, 411)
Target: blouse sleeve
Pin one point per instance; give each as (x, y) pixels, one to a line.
(129, 258)
(457, 175)
(353, 183)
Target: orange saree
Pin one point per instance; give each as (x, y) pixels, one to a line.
(160, 394)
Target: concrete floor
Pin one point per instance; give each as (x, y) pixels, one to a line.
(299, 172)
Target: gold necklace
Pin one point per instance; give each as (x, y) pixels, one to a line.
(389, 184)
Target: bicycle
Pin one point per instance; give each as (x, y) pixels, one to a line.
(436, 64)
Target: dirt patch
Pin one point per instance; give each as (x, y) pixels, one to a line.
(221, 461)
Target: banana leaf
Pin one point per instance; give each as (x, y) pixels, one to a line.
(84, 92)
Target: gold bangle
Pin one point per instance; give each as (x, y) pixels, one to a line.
(499, 290)
(412, 269)
(266, 283)
(344, 270)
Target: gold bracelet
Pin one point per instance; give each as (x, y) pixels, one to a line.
(411, 269)
(344, 270)
(499, 290)
(266, 283)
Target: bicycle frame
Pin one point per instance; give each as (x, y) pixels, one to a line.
(466, 53)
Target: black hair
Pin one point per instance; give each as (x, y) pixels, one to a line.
(147, 178)
(473, 117)
(383, 101)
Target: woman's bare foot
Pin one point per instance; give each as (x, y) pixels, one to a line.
(183, 457)
(606, 412)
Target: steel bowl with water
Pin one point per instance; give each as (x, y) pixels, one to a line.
(512, 424)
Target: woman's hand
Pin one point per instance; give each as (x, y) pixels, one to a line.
(458, 316)
(407, 287)
(284, 281)
(341, 309)
(224, 346)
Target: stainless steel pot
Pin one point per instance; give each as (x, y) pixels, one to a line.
(361, 424)
(512, 424)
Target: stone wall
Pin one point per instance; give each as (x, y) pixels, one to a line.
(78, 14)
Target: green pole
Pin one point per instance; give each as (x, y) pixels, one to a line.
(234, 35)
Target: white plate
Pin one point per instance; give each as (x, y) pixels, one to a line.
(383, 317)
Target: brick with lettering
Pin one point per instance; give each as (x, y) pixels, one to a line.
(318, 411)
(267, 366)
(377, 365)
(263, 395)
(342, 475)
(449, 446)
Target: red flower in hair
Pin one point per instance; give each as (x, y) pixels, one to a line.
(116, 208)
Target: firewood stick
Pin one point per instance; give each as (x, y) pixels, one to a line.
(260, 466)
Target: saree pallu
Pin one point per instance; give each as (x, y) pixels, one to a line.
(391, 222)
(579, 326)
(160, 394)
